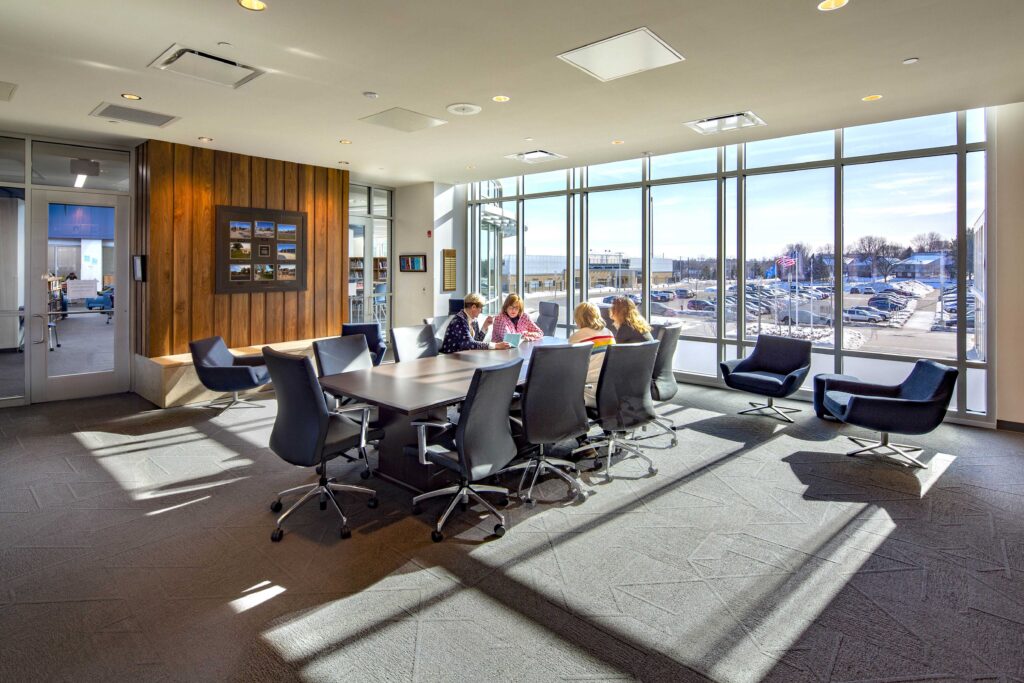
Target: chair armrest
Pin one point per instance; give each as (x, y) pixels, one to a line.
(852, 386)
(421, 437)
(794, 379)
(730, 366)
(353, 407)
(515, 420)
(250, 360)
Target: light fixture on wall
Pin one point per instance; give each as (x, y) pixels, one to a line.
(83, 169)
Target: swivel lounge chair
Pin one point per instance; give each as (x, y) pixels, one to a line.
(776, 369)
(220, 370)
(478, 447)
(307, 434)
(547, 319)
(917, 406)
(663, 383)
(374, 338)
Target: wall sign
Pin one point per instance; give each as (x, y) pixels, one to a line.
(449, 265)
(260, 250)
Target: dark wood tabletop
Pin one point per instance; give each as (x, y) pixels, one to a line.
(415, 386)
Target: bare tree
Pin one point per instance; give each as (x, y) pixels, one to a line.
(929, 241)
(882, 253)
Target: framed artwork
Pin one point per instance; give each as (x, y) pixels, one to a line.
(412, 263)
(448, 272)
(259, 250)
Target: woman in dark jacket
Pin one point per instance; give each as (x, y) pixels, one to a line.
(462, 333)
(630, 326)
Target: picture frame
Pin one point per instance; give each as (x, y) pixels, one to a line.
(263, 251)
(412, 263)
(259, 250)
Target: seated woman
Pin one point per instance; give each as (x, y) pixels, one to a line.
(630, 326)
(463, 334)
(590, 327)
(514, 319)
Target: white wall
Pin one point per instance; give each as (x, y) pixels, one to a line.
(440, 209)
(1006, 214)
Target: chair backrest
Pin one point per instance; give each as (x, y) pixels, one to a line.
(484, 437)
(606, 316)
(414, 341)
(301, 423)
(380, 288)
(624, 388)
(341, 354)
(374, 338)
(929, 381)
(455, 305)
(663, 383)
(211, 352)
(780, 355)
(547, 319)
(553, 408)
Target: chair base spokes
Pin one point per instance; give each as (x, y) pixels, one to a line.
(613, 445)
(770, 409)
(226, 402)
(461, 493)
(666, 425)
(897, 452)
(324, 489)
(539, 464)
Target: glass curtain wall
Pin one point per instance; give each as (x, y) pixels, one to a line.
(870, 241)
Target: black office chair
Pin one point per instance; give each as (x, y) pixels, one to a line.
(307, 434)
(414, 341)
(439, 323)
(775, 369)
(547, 318)
(478, 447)
(220, 370)
(916, 406)
(455, 305)
(374, 338)
(342, 354)
(624, 401)
(553, 411)
(663, 383)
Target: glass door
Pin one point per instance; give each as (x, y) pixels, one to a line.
(78, 309)
(369, 284)
(13, 368)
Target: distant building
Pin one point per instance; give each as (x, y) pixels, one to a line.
(547, 273)
(926, 265)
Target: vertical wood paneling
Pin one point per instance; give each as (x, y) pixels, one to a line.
(179, 188)
(291, 299)
(181, 322)
(240, 194)
(161, 247)
(202, 298)
(257, 302)
(275, 300)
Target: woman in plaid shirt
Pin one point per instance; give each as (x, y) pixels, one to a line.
(514, 319)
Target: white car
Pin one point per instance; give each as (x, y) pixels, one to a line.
(857, 316)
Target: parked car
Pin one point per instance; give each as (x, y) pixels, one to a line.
(857, 315)
(700, 305)
(862, 289)
(805, 318)
(612, 297)
(884, 315)
(663, 310)
(885, 304)
(661, 296)
(684, 293)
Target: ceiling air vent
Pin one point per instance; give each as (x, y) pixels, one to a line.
(403, 120)
(537, 156)
(115, 112)
(205, 67)
(720, 124)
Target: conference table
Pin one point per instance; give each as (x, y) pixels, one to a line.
(420, 389)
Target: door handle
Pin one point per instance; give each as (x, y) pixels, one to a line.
(45, 329)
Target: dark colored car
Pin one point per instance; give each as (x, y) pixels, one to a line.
(611, 298)
(885, 304)
(700, 305)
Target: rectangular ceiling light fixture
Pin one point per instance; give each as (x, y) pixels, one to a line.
(622, 55)
(537, 156)
(719, 124)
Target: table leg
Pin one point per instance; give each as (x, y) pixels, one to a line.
(405, 470)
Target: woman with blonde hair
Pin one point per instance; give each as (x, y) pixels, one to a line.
(590, 328)
(630, 326)
(513, 318)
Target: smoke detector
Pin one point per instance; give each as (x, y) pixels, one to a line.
(464, 109)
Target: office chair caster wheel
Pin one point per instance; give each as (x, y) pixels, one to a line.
(581, 496)
(365, 474)
(597, 466)
(416, 509)
(372, 503)
(436, 536)
(346, 532)
(530, 502)
(503, 502)
(675, 442)
(499, 530)
(276, 506)
(277, 535)
(652, 471)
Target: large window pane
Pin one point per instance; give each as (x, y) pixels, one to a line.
(551, 181)
(12, 160)
(794, 149)
(13, 325)
(614, 173)
(975, 125)
(496, 189)
(381, 202)
(694, 357)
(898, 136)
(74, 166)
(545, 253)
(900, 233)
(696, 162)
(789, 275)
(497, 251)
(732, 260)
(684, 258)
(614, 245)
(358, 200)
(976, 256)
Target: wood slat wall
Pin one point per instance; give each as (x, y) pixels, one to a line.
(179, 187)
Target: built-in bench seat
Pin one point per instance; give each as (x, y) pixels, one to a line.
(169, 381)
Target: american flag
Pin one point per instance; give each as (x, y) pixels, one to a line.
(786, 260)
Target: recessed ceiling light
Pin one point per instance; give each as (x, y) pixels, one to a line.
(345, 142)
(618, 142)
(131, 96)
(829, 5)
(464, 109)
(369, 94)
(528, 139)
(501, 98)
(254, 5)
(911, 60)
(205, 139)
(871, 98)
(470, 167)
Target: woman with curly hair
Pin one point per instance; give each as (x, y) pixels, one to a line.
(630, 326)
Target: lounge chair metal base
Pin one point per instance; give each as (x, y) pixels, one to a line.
(771, 410)
(226, 402)
(897, 452)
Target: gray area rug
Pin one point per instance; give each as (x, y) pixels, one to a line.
(135, 545)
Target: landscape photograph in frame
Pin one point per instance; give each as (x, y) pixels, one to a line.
(265, 230)
(260, 250)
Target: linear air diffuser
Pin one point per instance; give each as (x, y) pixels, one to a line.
(205, 67)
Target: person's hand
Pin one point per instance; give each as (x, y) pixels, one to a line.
(502, 345)
(488, 321)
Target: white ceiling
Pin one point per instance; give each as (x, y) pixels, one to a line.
(797, 68)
